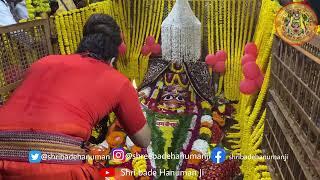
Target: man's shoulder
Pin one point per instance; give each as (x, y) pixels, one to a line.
(116, 76)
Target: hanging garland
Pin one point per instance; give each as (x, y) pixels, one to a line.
(69, 25)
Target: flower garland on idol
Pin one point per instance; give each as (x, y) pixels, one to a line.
(193, 140)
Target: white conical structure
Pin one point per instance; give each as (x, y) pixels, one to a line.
(181, 34)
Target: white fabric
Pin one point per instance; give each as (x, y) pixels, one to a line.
(6, 18)
(151, 154)
(181, 34)
(206, 118)
(104, 144)
(129, 143)
(146, 91)
(201, 146)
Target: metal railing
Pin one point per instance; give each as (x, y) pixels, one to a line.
(20, 45)
(293, 118)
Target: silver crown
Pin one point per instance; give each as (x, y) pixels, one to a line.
(181, 34)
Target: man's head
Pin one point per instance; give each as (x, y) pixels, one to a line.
(101, 37)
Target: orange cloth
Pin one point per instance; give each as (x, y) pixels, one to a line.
(68, 95)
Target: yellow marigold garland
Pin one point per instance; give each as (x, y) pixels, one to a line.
(36, 7)
(205, 130)
(191, 174)
(250, 139)
(167, 134)
(69, 25)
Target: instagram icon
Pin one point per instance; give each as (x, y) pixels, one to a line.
(119, 155)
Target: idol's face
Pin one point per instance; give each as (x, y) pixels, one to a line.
(173, 97)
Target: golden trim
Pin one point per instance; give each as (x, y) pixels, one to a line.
(27, 145)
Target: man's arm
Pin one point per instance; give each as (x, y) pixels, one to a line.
(142, 138)
(131, 117)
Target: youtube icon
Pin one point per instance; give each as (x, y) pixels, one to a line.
(107, 172)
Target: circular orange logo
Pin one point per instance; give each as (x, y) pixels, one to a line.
(296, 23)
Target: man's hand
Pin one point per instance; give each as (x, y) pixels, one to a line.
(143, 137)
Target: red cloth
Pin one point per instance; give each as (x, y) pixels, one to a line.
(69, 95)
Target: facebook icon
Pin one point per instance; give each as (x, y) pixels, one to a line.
(218, 155)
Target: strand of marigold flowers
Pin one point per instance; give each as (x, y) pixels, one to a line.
(69, 36)
(223, 29)
(141, 27)
(59, 34)
(218, 41)
(64, 35)
(259, 127)
(156, 25)
(81, 24)
(227, 35)
(242, 39)
(202, 14)
(133, 33)
(153, 31)
(237, 51)
(260, 99)
(117, 10)
(69, 26)
(217, 24)
(138, 39)
(132, 36)
(233, 72)
(159, 21)
(247, 146)
(209, 42)
(76, 27)
(224, 46)
(199, 10)
(253, 14)
(129, 32)
(123, 17)
(170, 5)
(83, 17)
(209, 24)
(150, 20)
(193, 6)
(264, 37)
(72, 33)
